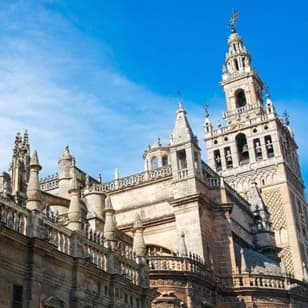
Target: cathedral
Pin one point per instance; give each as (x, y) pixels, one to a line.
(232, 232)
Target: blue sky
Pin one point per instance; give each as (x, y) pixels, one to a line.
(103, 76)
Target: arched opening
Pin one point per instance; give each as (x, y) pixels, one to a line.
(236, 64)
(242, 148)
(164, 160)
(240, 98)
(269, 146)
(257, 148)
(217, 160)
(154, 162)
(181, 157)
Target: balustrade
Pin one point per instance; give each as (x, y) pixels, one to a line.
(182, 174)
(191, 264)
(262, 281)
(14, 217)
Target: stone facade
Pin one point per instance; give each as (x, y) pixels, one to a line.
(179, 234)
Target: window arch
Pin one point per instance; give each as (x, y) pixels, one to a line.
(240, 98)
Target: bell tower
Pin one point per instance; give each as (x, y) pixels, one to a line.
(255, 145)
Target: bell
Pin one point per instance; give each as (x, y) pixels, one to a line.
(245, 148)
(269, 144)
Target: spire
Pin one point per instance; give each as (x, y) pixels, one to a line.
(182, 131)
(243, 262)
(258, 206)
(109, 228)
(139, 244)
(33, 189)
(74, 211)
(183, 248)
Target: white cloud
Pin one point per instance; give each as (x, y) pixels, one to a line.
(42, 90)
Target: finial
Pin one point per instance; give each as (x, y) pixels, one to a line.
(34, 160)
(267, 92)
(233, 19)
(99, 178)
(180, 99)
(138, 222)
(286, 118)
(74, 184)
(183, 249)
(26, 137)
(158, 142)
(206, 111)
(116, 174)
(87, 181)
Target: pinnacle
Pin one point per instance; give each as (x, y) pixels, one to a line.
(74, 184)
(108, 203)
(34, 159)
(138, 222)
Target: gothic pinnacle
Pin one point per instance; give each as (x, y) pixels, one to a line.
(33, 189)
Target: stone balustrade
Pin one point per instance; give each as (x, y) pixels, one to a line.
(14, 217)
(260, 281)
(243, 109)
(132, 180)
(49, 182)
(86, 244)
(182, 174)
(58, 236)
(190, 264)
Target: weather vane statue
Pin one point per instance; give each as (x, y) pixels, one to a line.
(233, 20)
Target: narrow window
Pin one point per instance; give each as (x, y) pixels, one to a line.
(257, 148)
(269, 146)
(228, 156)
(242, 148)
(236, 64)
(181, 157)
(240, 98)
(154, 162)
(217, 160)
(17, 296)
(165, 161)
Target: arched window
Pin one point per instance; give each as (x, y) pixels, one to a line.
(164, 161)
(181, 157)
(240, 98)
(236, 64)
(154, 162)
(242, 148)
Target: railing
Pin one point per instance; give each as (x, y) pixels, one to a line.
(133, 180)
(49, 182)
(182, 174)
(266, 281)
(243, 109)
(88, 244)
(58, 236)
(14, 217)
(191, 264)
(212, 182)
